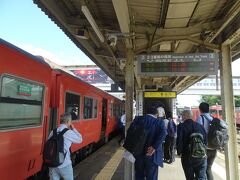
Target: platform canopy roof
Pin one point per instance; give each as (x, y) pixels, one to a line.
(105, 29)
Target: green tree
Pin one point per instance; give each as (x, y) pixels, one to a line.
(212, 100)
(237, 101)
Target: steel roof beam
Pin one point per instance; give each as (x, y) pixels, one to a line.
(182, 81)
(232, 13)
(187, 31)
(121, 10)
(191, 83)
(180, 38)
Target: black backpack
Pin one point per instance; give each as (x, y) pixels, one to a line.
(53, 153)
(136, 137)
(217, 134)
(171, 128)
(197, 147)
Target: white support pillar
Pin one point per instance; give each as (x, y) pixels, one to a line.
(231, 156)
(139, 102)
(129, 89)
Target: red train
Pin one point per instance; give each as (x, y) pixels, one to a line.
(216, 111)
(32, 98)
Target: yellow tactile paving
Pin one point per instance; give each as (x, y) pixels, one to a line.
(107, 172)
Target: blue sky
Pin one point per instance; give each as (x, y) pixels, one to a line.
(25, 25)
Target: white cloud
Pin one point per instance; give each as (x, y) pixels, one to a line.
(60, 58)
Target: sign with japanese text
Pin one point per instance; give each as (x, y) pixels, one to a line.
(177, 64)
(171, 94)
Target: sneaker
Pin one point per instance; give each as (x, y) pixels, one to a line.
(170, 162)
(165, 160)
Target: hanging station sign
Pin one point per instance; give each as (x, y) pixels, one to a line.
(172, 64)
(170, 94)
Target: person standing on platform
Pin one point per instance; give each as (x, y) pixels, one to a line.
(170, 141)
(146, 164)
(191, 146)
(204, 119)
(65, 170)
(161, 112)
(122, 128)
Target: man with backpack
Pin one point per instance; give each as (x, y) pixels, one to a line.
(217, 136)
(191, 145)
(63, 137)
(204, 119)
(147, 133)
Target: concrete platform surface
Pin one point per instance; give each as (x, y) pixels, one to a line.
(107, 164)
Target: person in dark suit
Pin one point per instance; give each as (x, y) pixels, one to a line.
(170, 141)
(191, 166)
(146, 164)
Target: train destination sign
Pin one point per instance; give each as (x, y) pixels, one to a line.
(170, 94)
(172, 64)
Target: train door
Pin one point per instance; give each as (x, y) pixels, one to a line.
(104, 116)
(53, 123)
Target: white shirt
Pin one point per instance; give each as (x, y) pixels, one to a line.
(123, 119)
(161, 112)
(206, 117)
(166, 121)
(70, 136)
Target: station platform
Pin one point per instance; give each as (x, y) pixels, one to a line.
(107, 164)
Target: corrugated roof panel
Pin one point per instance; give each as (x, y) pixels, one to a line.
(180, 10)
(145, 3)
(145, 11)
(166, 46)
(172, 23)
(207, 10)
(180, 1)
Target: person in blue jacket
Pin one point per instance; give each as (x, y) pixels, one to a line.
(146, 164)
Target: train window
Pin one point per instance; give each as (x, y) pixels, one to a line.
(212, 111)
(95, 108)
(88, 108)
(72, 105)
(215, 112)
(21, 103)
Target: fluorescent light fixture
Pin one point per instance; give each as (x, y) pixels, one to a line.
(90, 19)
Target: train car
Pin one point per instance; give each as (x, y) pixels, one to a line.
(216, 111)
(93, 111)
(24, 111)
(196, 113)
(32, 98)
